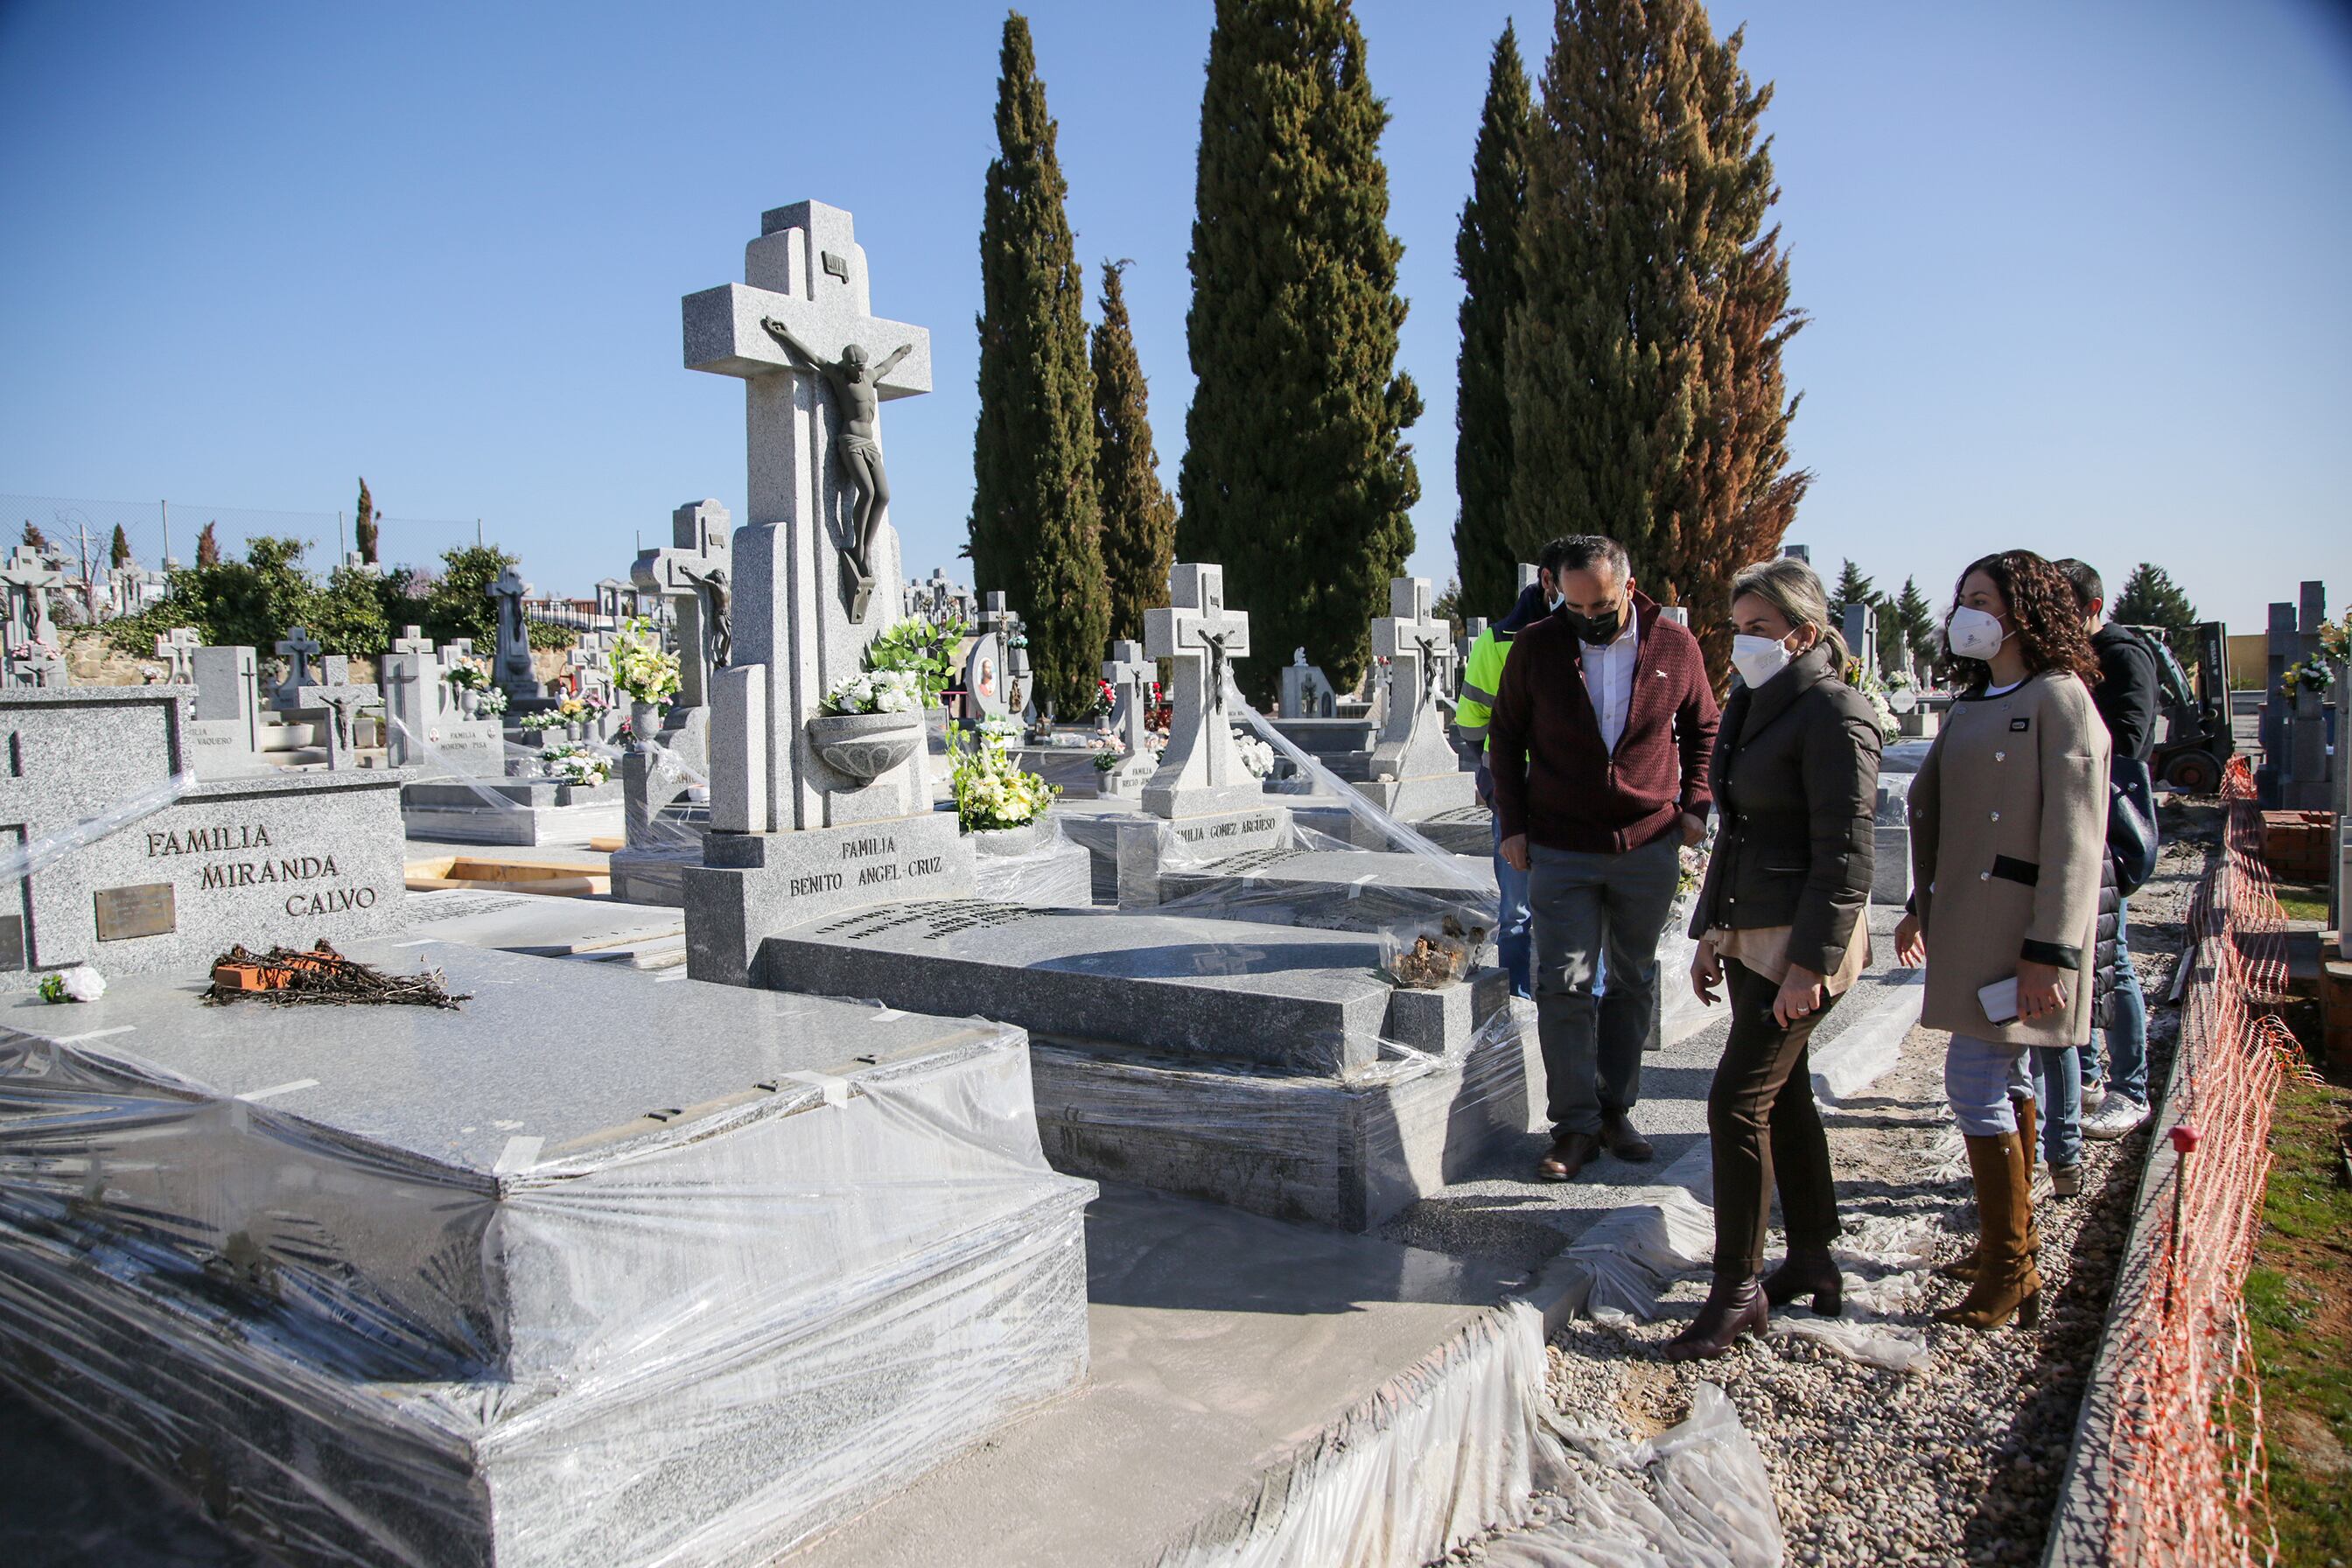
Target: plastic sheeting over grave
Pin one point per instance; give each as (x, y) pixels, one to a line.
(505, 1286)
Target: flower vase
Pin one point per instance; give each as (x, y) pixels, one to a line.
(644, 721)
(577, 730)
(469, 702)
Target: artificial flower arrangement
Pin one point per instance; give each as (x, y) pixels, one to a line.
(992, 791)
(575, 763)
(491, 701)
(467, 677)
(545, 719)
(1255, 754)
(641, 667)
(1107, 753)
(1865, 679)
(1002, 727)
(2314, 672)
(2335, 638)
(875, 691)
(80, 984)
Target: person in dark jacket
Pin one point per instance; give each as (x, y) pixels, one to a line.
(1781, 924)
(1599, 745)
(2130, 697)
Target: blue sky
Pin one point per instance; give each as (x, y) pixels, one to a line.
(2077, 272)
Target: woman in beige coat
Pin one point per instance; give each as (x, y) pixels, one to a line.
(2007, 837)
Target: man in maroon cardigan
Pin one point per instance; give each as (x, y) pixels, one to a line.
(1599, 745)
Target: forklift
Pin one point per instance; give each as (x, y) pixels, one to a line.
(2198, 739)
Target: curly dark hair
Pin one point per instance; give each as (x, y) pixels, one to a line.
(2044, 609)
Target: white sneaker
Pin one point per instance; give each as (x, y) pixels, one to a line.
(2119, 1117)
(2094, 1095)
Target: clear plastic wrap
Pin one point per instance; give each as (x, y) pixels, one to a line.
(442, 799)
(668, 813)
(22, 858)
(1696, 1496)
(639, 1307)
(1445, 1451)
(1038, 864)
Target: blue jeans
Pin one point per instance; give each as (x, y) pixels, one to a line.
(1513, 922)
(2058, 1086)
(2124, 1043)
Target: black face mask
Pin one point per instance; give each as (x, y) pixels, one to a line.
(1600, 630)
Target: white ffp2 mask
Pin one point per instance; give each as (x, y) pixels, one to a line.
(1758, 659)
(1973, 634)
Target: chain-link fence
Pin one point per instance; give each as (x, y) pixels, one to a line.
(82, 532)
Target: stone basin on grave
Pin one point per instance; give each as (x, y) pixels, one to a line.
(519, 1284)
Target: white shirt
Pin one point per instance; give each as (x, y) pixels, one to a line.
(1609, 680)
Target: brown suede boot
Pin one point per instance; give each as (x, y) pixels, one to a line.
(1965, 1265)
(2007, 1284)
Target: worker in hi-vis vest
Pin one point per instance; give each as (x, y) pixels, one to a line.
(1481, 679)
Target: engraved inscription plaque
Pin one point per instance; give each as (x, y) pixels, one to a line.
(144, 910)
(12, 943)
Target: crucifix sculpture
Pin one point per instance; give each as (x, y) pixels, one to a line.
(1200, 770)
(857, 445)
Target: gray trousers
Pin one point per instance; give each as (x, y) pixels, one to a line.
(1588, 907)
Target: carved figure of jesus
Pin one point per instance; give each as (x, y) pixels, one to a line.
(858, 443)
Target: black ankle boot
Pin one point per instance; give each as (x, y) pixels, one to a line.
(1735, 1306)
(1808, 1269)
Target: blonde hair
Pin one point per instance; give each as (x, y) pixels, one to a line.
(1794, 589)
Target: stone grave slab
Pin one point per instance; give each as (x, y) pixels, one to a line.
(479, 1287)
(549, 927)
(166, 881)
(530, 812)
(1130, 850)
(1275, 1067)
(1346, 889)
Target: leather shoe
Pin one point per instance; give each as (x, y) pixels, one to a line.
(1733, 1307)
(1617, 1135)
(1571, 1153)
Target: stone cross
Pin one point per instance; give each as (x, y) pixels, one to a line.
(692, 575)
(414, 696)
(1130, 675)
(44, 669)
(298, 648)
(177, 650)
(512, 668)
(28, 578)
(339, 725)
(798, 620)
(1418, 645)
(1201, 772)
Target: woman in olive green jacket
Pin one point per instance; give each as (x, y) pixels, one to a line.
(2008, 837)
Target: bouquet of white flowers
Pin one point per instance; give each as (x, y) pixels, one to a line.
(80, 984)
(1865, 679)
(575, 763)
(877, 691)
(990, 790)
(1255, 754)
(493, 699)
(641, 668)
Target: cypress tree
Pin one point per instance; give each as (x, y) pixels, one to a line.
(1037, 520)
(121, 552)
(1852, 588)
(1139, 515)
(1486, 257)
(1296, 475)
(1644, 365)
(36, 538)
(363, 525)
(2151, 598)
(1919, 619)
(208, 546)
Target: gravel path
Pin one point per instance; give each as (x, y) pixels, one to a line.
(1958, 1462)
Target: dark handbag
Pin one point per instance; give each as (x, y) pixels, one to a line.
(2131, 824)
